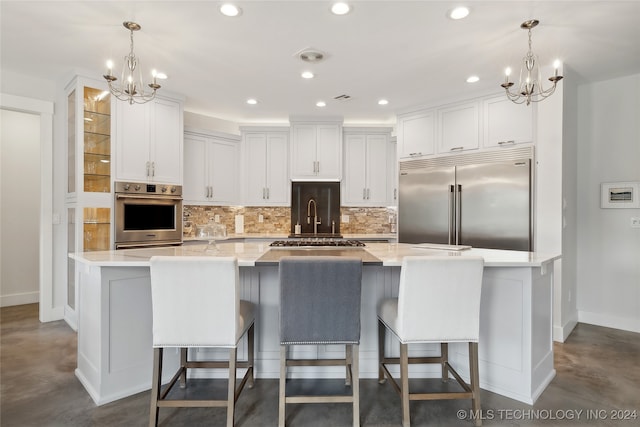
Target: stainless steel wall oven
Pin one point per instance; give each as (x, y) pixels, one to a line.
(147, 215)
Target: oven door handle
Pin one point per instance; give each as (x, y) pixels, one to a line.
(144, 196)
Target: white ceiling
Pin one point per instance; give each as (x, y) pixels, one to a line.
(408, 52)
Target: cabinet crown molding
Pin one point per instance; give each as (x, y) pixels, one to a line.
(316, 119)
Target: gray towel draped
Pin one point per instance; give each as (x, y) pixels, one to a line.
(320, 300)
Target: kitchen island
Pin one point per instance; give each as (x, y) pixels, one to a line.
(114, 316)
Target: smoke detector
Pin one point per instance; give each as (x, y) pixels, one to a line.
(311, 55)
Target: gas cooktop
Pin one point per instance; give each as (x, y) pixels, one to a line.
(316, 243)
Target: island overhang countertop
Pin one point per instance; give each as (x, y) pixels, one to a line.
(254, 253)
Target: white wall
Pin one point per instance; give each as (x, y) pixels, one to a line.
(567, 317)
(608, 249)
(19, 207)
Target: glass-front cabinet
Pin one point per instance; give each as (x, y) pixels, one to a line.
(97, 140)
(89, 197)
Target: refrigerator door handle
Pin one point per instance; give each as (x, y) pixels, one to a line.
(452, 219)
(458, 213)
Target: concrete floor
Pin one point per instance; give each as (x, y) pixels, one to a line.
(598, 379)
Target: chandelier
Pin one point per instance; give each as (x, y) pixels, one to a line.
(529, 87)
(131, 88)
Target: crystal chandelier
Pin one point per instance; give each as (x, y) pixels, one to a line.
(131, 88)
(529, 87)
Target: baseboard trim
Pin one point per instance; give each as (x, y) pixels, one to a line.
(561, 333)
(609, 321)
(20, 299)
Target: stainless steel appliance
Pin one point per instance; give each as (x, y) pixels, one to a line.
(147, 215)
(487, 205)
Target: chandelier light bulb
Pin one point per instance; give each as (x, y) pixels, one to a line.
(340, 8)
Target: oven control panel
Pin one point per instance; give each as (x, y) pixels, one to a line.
(150, 189)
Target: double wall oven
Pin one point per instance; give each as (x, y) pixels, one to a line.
(147, 215)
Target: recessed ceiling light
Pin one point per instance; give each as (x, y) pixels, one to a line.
(473, 79)
(307, 75)
(459, 13)
(340, 8)
(321, 104)
(383, 102)
(229, 9)
(252, 101)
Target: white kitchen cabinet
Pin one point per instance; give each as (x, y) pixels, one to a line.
(316, 151)
(459, 127)
(265, 154)
(149, 141)
(367, 177)
(211, 169)
(506, 123)
(416, 135)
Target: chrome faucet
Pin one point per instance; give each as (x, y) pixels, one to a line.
(316, 219)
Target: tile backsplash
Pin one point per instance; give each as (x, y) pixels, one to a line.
(278, 219)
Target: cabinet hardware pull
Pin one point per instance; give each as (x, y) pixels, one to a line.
(511, 141)
(368, 193)
(267, 193)
(419, 153)
(395, 194)
(364, 193)
(456, 149)
(147, 168)
(153, 168)
(263, 193)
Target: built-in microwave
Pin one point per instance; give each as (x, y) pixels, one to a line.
(147, 215)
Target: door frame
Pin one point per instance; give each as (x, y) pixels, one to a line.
(47, 310)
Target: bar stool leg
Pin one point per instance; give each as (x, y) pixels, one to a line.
(355, 383)
(283, 383)
(183, 366)
(250, 356)
(444, 359)
(474, 377)
(231, 394)
(155, 386)
(381, 337)
(404, 378)
(348, 364)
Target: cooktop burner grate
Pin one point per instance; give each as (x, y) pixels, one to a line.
(316, 243)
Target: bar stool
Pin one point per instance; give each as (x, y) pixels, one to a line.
(438, 302)
(196, 303)
(320, 304)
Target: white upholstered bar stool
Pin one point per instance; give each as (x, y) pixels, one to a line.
(196, 303)
(320, 304)
(438, 302)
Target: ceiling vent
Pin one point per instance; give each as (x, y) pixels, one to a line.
(312, 55)
(342, 97)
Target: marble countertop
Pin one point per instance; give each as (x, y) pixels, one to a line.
(282, 236)
(248, 252)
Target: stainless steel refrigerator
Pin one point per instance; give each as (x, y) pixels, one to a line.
(482, 205)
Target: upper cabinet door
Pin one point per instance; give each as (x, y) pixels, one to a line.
(329, 152)
(167, 142)
(132, 142)
(223, 160)
(149, 141)
(506, 123)
(316, 151)
(378, 177)
(278, 187)
(303, 151)
(255, 147)
(459, 127)
(195, 188)
(355, 173)
(416, 135)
